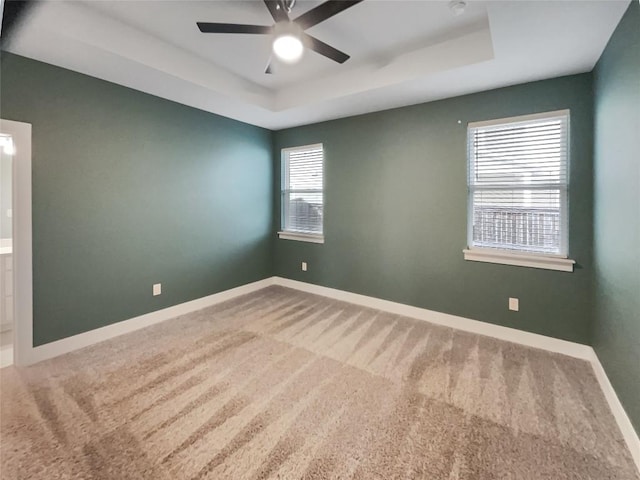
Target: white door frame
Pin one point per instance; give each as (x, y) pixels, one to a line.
(22, 249)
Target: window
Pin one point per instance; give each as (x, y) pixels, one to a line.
(518, 183)
(302, 195)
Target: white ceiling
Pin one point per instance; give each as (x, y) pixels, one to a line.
(403, 52)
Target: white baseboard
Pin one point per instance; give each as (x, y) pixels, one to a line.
(576, 350)
(535, 340)
(618, 411)
(69, 344)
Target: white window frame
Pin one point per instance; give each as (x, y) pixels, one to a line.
(284, 183)
(514, 257)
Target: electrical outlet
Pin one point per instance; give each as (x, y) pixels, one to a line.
(514, 304)
(157, 289)
(304, 266)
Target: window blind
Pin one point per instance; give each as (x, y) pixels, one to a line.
(518, 183)
(302, 189)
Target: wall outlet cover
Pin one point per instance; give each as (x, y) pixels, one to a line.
(304, 266)
(514, 304)
(157, 289)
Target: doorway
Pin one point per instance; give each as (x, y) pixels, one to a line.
(7, 150)
(16, 308)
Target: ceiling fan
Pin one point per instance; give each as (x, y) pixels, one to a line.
(289, 36)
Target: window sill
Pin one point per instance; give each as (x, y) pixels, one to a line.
(519, 259)
(301, 237)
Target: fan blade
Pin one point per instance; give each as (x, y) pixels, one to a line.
(277, 12)
(206, 27)
(323, 11)
(324, 49)
(12, 13)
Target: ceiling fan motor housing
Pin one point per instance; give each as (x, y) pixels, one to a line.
(286, 5)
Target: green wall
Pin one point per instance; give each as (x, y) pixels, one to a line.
(131, 190)
(396, 211)
(616, 329)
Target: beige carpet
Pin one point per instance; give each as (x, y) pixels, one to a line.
(282, 384)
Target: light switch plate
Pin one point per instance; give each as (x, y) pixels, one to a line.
(157, 289)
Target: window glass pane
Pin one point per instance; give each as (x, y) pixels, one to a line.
(303, 211)
(302, 193)
(526, 220)
(518, 181)
(529, 154)
(305, 170)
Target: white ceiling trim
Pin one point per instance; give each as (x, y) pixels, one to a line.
(86, 26)
(505, 42)
(466, 49)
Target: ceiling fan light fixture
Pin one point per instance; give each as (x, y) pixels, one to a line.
(288, 48)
